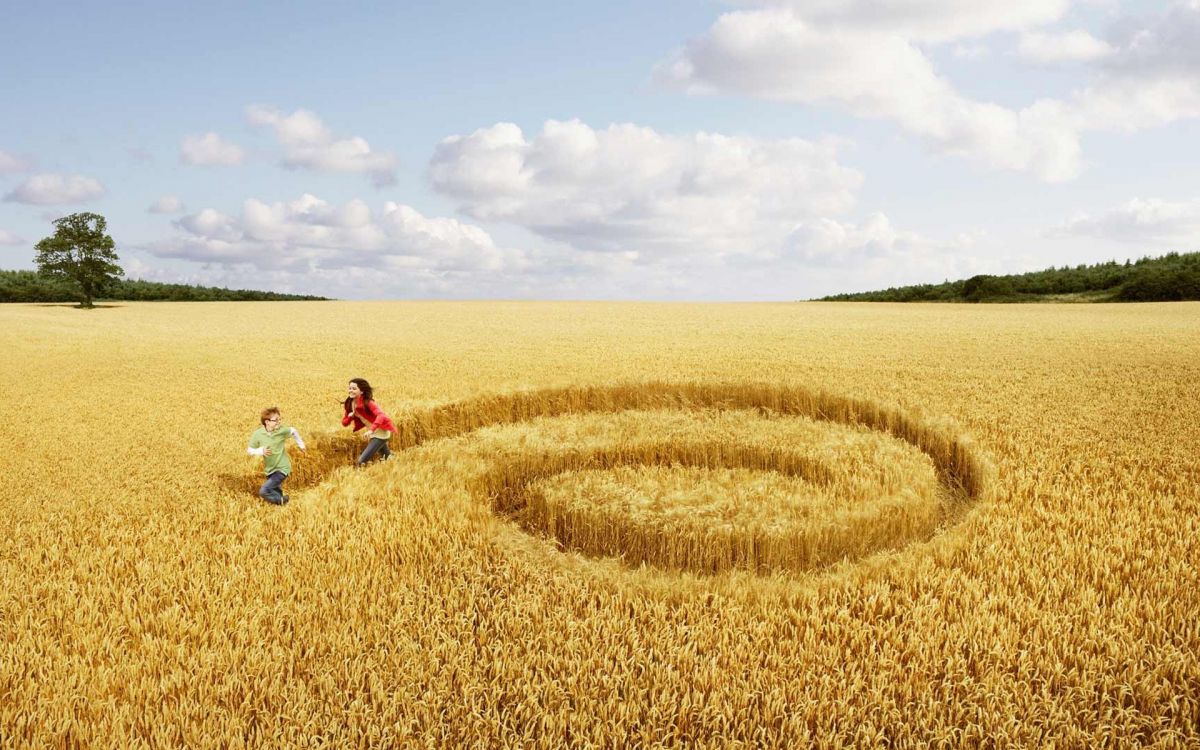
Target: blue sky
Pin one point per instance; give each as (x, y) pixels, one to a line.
(751, 150)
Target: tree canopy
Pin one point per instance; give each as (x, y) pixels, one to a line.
(81, 252)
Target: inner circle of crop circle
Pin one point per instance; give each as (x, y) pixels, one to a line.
(505, 485)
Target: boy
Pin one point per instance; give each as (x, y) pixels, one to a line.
(268, 441)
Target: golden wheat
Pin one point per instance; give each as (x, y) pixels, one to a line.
(610, 525)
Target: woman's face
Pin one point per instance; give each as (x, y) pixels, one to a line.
(354, 390)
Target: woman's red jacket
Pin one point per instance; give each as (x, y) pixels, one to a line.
(369, 416)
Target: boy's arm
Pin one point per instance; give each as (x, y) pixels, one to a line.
(254, 449)
(297, 438)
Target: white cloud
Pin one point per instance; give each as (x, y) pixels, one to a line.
(631, 189)
(53, 189)
(354, 251)
(167, 204)
(211, 224)
(309, 235)
(309, 144)
(1151, 78)
(826, 242)
(868, 59)
(1132, 103)
(210, 149)
(1166, 44)
(775, 54)
(10, 163)
(874, 254)
(8, 238)
(1148, 221)
(1071, 46)
(876, 243)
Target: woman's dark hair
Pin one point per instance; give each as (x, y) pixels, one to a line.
(367, 394)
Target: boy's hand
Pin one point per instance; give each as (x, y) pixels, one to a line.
(267, 451)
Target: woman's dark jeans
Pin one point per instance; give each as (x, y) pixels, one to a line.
(377, 445)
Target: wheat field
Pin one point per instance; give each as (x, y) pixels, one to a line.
(604, 525)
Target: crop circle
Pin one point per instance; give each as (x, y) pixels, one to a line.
(512, 482)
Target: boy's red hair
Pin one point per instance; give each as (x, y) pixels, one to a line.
(262, 418)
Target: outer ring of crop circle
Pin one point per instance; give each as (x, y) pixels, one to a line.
(961, 469)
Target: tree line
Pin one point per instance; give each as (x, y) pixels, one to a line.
(1169, 278)
(79, 263)
(30, 286)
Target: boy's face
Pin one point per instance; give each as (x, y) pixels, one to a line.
(271, 422)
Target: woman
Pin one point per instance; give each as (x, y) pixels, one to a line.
(362, 411)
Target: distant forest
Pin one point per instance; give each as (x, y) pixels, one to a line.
(1173, 277)
(29, 286)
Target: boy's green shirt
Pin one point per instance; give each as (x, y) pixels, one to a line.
(278, 460)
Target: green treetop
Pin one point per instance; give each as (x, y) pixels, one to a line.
(80, 252)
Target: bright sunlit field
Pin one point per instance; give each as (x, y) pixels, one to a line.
(604, 525)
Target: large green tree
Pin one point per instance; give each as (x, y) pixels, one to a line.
(80, 252)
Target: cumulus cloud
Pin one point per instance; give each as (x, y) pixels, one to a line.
(1151, 77)
(354, 250)
(1148, 76)
(835, 256)
(778, 55)
(210, 149)
(8, 238)
(309, 235)
(10, 163)
(309, 144)
(869, 59)
(167, 204)
(1166, 44)
(1141, 221)
(629, 189)
(1071, 46)
(875, 243)
(54, 189)
(826, 242)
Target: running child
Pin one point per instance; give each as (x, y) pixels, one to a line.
(361, 411)
(269, 441)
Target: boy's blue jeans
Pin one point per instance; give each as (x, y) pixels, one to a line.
(272, 491)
